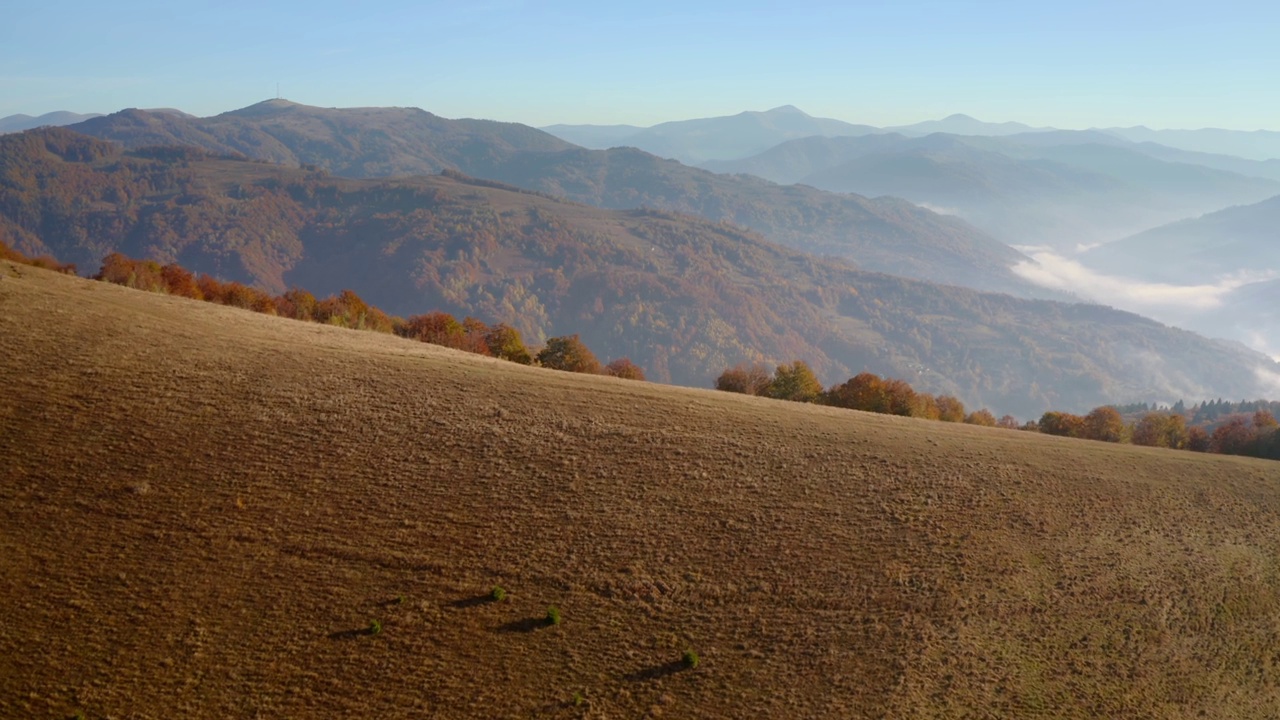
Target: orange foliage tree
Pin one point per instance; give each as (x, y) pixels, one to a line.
(745, 379)
(625, 369)
(570, 354)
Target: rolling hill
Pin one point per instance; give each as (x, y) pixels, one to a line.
(883, 235)
(215, 507)
(682, 296)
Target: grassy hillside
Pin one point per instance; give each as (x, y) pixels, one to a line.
(203, 510)
(681, 296)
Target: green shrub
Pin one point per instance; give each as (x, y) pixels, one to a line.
(690, 659)
(498, 594)
(375, 627)
(553, 615)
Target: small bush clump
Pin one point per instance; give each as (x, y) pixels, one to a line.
(498, 594)
(553, 615)
(690, 659)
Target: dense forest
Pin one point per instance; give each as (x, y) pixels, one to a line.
(681, 296)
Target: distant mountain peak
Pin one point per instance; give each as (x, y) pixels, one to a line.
(266, 107)
(786, 110)
(960, 117)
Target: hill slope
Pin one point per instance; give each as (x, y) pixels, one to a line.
(683, 297)
(214, 505)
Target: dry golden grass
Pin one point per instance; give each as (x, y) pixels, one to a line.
(202, 510)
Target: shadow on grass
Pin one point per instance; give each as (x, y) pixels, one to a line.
(526, 625)
(352, 634)
(471, 602)
(658, 671)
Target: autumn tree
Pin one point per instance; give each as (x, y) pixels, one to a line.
(1105, 424)
(180, 281)
(745, 379)
(1148, 430)
(570, 354)
(1063, 424)
(1234, 437)
(504, 341)
(1008, 422)
(982, 417)
(795, 382)
(950, 409)
(1198, 439)
(864, 391)
(436, 328)
(297, 304)
(625, 369)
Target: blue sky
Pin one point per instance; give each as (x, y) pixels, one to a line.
(1077, 64)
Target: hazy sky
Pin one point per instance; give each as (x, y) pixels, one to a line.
(1070, 64)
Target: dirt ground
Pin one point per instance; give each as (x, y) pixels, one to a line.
(203, 512)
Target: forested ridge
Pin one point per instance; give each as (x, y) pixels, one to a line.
(681, 296)
(882, 234)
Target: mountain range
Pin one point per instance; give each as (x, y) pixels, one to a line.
(733, 137)
(683, 296)
(887, 235)
(747, 133)
(1060, 188)
(58, 118)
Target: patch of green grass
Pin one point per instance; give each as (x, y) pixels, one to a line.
(690, 659)
(578, 699)
(498, 593)
(553, 615)
(375, 627)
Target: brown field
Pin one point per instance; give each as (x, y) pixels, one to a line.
(203, 509)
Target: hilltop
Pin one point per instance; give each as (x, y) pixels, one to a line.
(683, 297)
(216, 505)
(353, 142)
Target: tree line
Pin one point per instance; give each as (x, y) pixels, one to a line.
(1255, 435)
(346, 309)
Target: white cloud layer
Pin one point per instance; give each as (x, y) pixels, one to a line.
(1156, 299)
